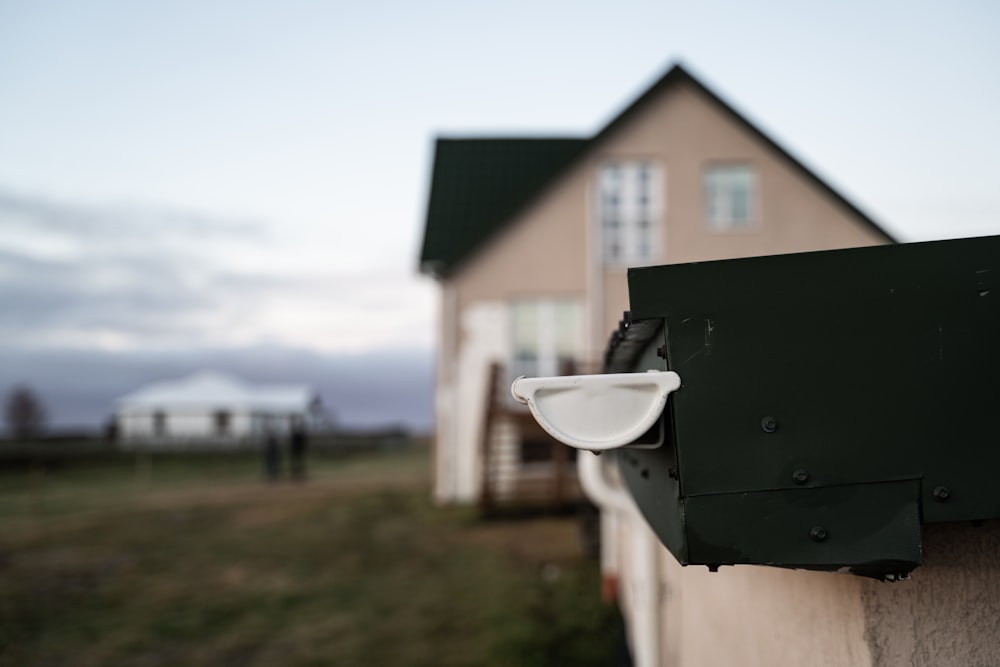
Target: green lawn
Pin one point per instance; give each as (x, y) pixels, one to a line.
(197, 561)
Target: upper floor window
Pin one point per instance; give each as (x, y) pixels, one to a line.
(629, 209)
(730, 196)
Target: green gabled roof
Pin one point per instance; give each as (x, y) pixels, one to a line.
(479, 184)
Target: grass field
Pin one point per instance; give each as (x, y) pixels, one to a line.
(197, 561)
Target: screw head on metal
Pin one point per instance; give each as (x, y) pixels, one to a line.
(941, 493)
(769, 424)
(817, 534)
(800, 476)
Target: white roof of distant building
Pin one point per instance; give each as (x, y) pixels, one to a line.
(213, 390)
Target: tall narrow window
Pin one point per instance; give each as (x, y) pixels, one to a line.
(630, 210)
(547, 335)
(611, 213)
(730, 196)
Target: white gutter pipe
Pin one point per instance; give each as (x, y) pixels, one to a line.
(644, 583)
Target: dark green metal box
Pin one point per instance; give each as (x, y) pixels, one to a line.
(831, 403)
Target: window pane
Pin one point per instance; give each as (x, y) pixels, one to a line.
(729, 196)
(525, 318)
(611, 192)
(629, 211)
(547, 336)
(566, 326)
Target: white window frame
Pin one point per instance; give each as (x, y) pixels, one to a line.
(630, 196)
(721, 184)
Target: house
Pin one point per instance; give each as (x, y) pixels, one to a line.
(210, 408)
(530, 238)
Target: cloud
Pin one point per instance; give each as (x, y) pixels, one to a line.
(129, 277)
(81, 273)
(41, 294)
(117, 222)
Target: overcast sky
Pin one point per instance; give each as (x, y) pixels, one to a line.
(235, 182)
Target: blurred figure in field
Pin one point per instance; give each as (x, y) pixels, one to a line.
(298, 450)
(272, 454)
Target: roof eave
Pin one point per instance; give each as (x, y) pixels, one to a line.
(675, 75)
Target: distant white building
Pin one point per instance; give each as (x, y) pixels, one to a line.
(210, 407)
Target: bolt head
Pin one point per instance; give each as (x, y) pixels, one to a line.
(817, 534)
(769, 424)
(941, 493)
(800, 476)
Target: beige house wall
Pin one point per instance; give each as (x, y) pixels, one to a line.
(946, 614)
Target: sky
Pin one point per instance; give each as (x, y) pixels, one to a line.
(241, 184)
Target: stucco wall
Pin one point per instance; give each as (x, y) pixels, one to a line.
(948, 613)
(945, 615)
(760, 617)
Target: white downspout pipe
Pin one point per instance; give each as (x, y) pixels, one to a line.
(644, 582)
(614, 502)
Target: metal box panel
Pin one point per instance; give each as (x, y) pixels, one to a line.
(855, 390)
(874, 363)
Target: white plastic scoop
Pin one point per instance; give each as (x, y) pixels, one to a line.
(597, 412)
